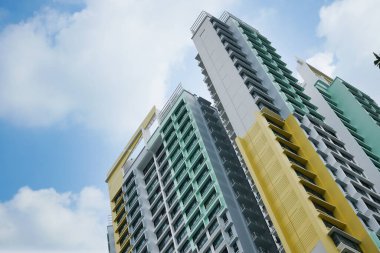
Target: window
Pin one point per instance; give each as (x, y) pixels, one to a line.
(210, 199)
(159, 150)
(174, 211)
(328, 224)
(197, 166)
(353, 203)
(365, 222)
(159, 217)
(201, 176)
(376, 199)
(201, 242)
(315, 193)
(371, 207)
(199, 231)
(357, 171)
(323, 209)
(170, 249)
(136, 220)
(187, 195)
(218, 240)
(178, 222)
(181, 235)
(214, 211)
(166, 178)
(184, 183)
(281, 135)
(377, 219)
(339, 160)
(338, 238)
(366, 184)
(296, 162)
(162, 158)
(346, 156)
(172, 199)
(230, 233)
(350, 176)
(149, 176)
(147, 167)
(181, 172)
(235, 247)
(152, 185)
(195, 219)
(167, 126)
(169, 189)
(289, 148)
(194, 154)
(185, 247)
(225, 218)
(162, 229)
(164, 241)
(212, 227)
(207, 184)
(163, 168)
(304, 177)
(191, 207)
(362, 192)
(338, 144)
(156, 206)
(139, 245)
(154, 196)
(332, 132)
(273, 123)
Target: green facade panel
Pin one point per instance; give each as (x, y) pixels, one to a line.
(358, 112)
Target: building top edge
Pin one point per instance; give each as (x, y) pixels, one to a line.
(132, 142)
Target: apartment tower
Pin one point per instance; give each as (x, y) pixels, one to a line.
(308, 183)
(356, 117)
(352, 112)
(178, 186)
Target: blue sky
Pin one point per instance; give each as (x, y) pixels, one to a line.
(76, 78)
(70, 157)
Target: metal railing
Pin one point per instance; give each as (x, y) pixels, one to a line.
(167, 107)
(199, 21)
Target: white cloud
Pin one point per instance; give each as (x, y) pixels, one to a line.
(102, 67)
(351, 31)
(48, 221)
(324, 62)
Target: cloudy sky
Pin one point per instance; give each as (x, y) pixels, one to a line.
(77, 76)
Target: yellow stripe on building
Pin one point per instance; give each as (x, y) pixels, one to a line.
(115, 180)
(305, 204)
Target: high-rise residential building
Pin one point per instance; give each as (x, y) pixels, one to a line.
(114, 179)
(354, 114)
(310, 186)
(178, 186)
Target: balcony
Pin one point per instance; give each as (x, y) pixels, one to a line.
(344, 242)
(126, 246)
(227, 39)
(294, 158)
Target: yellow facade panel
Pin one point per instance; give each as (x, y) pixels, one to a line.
(114, 180)
(290, 207)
